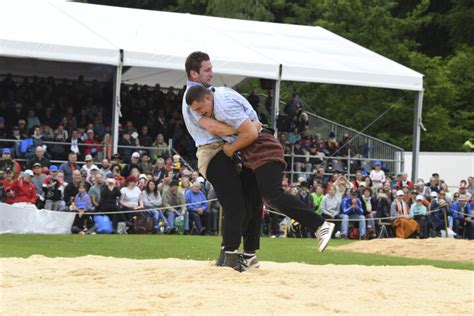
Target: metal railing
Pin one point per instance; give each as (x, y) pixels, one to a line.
(372, 148)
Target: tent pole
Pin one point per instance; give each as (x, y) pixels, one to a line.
(116, 105)
(416, 135)
(276, 100)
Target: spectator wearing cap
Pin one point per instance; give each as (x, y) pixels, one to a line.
(22, 190)
(377, 175)
(420, 214)
(145, 165)
(69, 167)
(83, 222)
(53, 197)
(134, 163)
(131, 196)
(90, 149)
(403, 224)
(142, 181)
(89, 165)
(173, 199)
(198, 209)
(351, 208)
(38, 158)
(160, 149)
(7, 162)
(38, 179)
(399, 207)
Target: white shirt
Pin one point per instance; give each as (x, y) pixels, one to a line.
(131, 197)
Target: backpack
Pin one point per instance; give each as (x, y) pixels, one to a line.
(143, 224)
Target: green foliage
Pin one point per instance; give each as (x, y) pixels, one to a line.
(433, 37)
(196, 248)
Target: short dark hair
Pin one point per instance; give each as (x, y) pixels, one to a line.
(193, 62)
(196, 93)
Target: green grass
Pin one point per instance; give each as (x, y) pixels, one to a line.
(195, 247)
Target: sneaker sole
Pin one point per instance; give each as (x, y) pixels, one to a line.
(324, 244)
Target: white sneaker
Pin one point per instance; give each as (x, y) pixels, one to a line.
(323, 235)
(251, 262)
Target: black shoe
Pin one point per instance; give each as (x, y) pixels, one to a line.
(234, 260)
(220, 259)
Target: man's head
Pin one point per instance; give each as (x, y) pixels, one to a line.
(160, 138)
(6, 154)
(196, 187)
(76, 176)
(105, 163)
(199, 68)
(160, 163)
(72, 157)
(201, 100)
(39, 151)
(37, 168)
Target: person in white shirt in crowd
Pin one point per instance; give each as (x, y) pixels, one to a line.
(131, 196)
(377, 175)
(152, 201)
(88, 166)
(330, 207)
(105, 168)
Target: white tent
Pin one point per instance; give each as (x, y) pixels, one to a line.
(155, 45)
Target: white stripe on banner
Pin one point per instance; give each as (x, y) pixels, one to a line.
(24, 218)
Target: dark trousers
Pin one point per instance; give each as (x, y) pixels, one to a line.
(269, 179)
(253, 211)
(225, 179)
(423, 224)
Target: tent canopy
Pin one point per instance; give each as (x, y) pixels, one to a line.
(155, 45)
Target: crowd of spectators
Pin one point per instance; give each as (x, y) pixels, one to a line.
(35, 111)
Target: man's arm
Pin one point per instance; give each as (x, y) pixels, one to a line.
(247, 134)
(215, 127)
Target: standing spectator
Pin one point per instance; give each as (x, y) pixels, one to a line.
(69, 167)
(152, 201)
(38, 158)
(91, 150)
(352, 209)
(96, 188)
(377, 175)
(109, 197)
(419, 213)
(161, 148)
(38, 180)
(369, 204)
(198, 211)
(53, 197)
(171, 199)
(126, 142)
(144, 138)
(22, 190)
(106, 147)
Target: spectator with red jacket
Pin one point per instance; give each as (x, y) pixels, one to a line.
(404, 182)
(91, 150)
(22, 190)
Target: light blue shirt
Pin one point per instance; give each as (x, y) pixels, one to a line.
(232, 109)
(200, 135)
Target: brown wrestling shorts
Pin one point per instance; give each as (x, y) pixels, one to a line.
(266, 148)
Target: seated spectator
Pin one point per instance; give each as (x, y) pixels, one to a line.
(38, 158)
(145, 165)
(161, 148)
(302, 164)
(6, 183)
(142, 181)
(159, 172)
(109, 197)
(463, 193)
(83, 222)
(342, 185)
(82, 197)
(134, 163)
(88, 166)
(53, 197)
(171, 199)
(419, 213)
(317, 197)
(131, 197)
(32, 120)
(403, 225)
(6, 162)
(198, 208)
(105, 167)
(144, 138)
(377, 175)
(351, 208)
(75, 141)
(461, 211)
(69, 167)
(330, 206)
(72, 188)
(152, 201)
(214, 209)
(117, 175)
(22, 190)
(91, 150)
(404, 181)
(124, 146)
(294, 136)
(382, 204)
